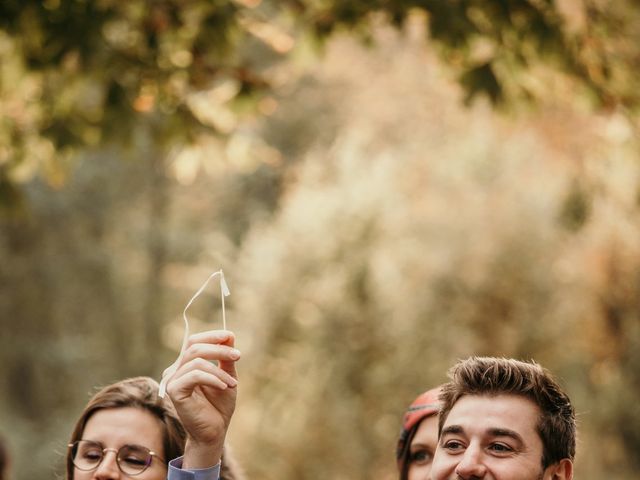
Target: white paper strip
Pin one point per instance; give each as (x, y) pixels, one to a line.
(173, 368)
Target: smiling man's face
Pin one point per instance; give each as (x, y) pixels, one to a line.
(493, 438)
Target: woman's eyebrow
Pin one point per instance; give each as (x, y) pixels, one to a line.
(420, 445)
(84, 439)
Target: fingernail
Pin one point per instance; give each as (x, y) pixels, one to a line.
(232, 382)
(235, 354)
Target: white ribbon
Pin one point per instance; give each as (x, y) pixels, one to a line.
(173, 368)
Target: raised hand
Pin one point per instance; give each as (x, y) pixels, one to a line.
(203, 391)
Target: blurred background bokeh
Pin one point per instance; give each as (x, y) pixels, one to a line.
(388, 186)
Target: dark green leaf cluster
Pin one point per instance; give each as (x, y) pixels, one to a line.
(102, 70)
(495, 44)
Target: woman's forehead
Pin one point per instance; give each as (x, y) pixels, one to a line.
(114, 427)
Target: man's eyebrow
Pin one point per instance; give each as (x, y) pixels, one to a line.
(456, 429)
(505, 432)
(494, 432)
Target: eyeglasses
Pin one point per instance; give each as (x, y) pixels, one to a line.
(131, 459)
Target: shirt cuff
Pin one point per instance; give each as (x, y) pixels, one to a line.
(176, 473)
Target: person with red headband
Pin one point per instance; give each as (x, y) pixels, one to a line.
(419, 437)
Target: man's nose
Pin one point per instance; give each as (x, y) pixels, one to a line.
(108, 468)
(471, 466)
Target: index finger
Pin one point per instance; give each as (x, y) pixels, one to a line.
(219, 337)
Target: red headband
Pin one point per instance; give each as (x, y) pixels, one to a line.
(425, 405)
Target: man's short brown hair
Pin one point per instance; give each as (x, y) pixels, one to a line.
(501, 376)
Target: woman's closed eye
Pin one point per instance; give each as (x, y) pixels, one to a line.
(134, 456)
(135, 461)
(92, 454)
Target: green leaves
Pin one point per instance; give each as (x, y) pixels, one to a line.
(482, 80)
(98, 70)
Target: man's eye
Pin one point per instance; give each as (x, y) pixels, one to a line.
(421, 457)
(501, 448)
(453, 445)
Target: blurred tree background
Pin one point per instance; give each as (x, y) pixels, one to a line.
(389, 186)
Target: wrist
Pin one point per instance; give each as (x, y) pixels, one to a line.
(199, 455)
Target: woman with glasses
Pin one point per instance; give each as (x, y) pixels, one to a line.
(126, 430)
(419, 437)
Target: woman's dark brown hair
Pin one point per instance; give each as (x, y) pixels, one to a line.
(142, 392)
(137, 392)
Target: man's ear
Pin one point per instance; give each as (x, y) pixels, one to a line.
(563, 470)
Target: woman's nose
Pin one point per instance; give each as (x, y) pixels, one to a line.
(108, 468)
